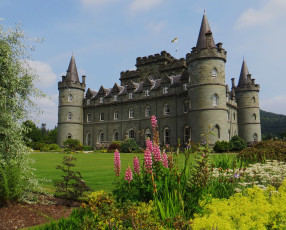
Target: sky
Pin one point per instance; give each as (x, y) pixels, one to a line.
(106, 37)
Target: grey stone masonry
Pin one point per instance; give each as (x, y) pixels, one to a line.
(188, 96)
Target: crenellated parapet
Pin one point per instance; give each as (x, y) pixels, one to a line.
(163, 57)
(177, 64)
(249, 85)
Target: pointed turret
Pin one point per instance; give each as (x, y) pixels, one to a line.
(72, 75)
(243, 74)
(204, 32)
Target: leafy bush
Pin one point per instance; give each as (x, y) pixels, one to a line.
(114, 145)
(270, 149)
(221, 146)
(129, 146)
(87, 148)
(237, 144)
(72, 186)
(255, 209)
(72, 144)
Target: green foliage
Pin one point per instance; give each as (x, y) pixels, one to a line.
(270, 149)
(237, 144)
(221, 146)
(129, 145)
(272, 125)
(16, 89)
(72, 144)
(87, 148)
(72, 185)
(254, 209)
(114, 145)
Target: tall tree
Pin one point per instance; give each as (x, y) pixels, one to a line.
(16, 89)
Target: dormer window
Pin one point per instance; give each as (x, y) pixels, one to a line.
(130, 95)
(88, 102)
(70, 98)
(115, 114)
(147, 93)
(185, 86)
(101, 100)
(115, 98)
(165, 90)
(214, 72)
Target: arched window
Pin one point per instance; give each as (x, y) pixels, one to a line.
(88, 139)
(131, 133)
(115, 136)
(101, 116)
(88, 117)
(254, 116)
(234, 116)
(166, 109)
(214, 72)
(186, 135)
(69, 116)
(253, 99)
(115, 114)
(215, 100)
(70, 98)
(185, 106)
(148, 134)
(167, 136)
(216, 131)
(255, 137)
(69, 136)
(101, 137)
(147, 111)
(131, 113)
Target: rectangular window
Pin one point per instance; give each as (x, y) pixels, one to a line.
(88, 119)
(101, 117)
(185, 86)
(165, 90)
(101, 100)
(115, 98)
(130, 95)
(147, 93)
(88, 102)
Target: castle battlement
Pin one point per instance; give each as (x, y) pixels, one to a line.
(162, 57)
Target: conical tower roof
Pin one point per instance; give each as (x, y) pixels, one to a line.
(205, 28)
(72, 75)
(243, 74)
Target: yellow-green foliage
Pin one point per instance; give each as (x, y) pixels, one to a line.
(255, 209)
(111, 215)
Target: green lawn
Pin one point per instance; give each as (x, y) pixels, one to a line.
(96, 168)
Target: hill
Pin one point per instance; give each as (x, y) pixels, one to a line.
(272, 125)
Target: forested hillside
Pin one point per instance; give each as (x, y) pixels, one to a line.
(272, 125)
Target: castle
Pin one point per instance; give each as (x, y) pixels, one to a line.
(187, 96)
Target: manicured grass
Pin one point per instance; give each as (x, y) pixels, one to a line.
(96, 168)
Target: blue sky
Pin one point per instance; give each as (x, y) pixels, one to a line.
(106, 37)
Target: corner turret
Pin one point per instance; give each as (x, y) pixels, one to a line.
(247, 97)
(70, 112)
(207, 89)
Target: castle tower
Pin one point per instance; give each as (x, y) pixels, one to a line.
(207, 90)
(247, 97)
(70, 112)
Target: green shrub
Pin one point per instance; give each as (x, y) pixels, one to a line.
(265, 150)
(72, 144)
(129, 146)
(255, 209)
(113, 146)
(221, 146)
(237, 144)
(37, 145)
(87, 148)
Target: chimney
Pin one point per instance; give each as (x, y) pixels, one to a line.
(63, 78)
(233, 82)
(248, 78)
(83, 79)
(253, 81)
(208, 39)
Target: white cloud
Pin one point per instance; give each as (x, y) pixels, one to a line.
(48, 107)
(275, 104)
(156, 27)
(46, 75)
(271, 10)
(141, 5)
(96, 3)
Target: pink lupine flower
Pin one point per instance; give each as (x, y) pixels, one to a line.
(148, 161)
(157, 153)
(149, 145)
(165, 159)
(117, 163)
(128, 175)
(154, 121)
(136, 165)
